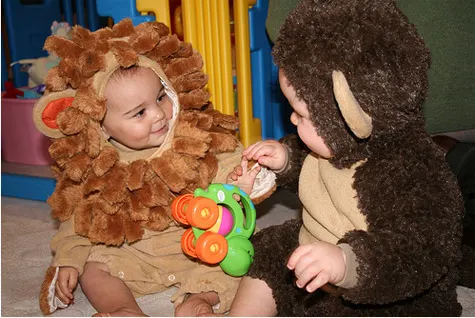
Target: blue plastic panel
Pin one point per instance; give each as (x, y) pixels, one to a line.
(280, 107)
(4, 68)
(269, 105)
(68, 11)
(27, 187)
(121, 9)
(27, 28)
(92, 16)
(74, 14)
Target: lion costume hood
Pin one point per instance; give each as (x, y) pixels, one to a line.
(113, 193)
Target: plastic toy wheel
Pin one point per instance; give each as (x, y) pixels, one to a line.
(202, 213)
(211, 247)
(179, 206)
(187, 243)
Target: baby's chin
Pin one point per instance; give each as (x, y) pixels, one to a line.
(156, 141)
(151, 143)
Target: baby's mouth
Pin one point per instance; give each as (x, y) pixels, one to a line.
(161, 130)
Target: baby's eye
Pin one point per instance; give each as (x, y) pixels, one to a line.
(161, 98)
(140, 113)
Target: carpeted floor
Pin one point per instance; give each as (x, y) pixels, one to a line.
(27, 229)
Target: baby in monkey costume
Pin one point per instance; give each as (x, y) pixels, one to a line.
(133, 128)
(381, 210)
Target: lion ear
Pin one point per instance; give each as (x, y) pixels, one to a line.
(46, 111)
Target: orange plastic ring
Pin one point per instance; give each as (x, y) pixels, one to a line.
(211, 247)
(179, 206)
(202, 213)
(187, 243)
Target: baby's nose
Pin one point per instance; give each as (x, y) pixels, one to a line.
(159, 113)
(294, 119)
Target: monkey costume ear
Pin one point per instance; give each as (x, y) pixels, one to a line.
(47, 109)
(360, 123)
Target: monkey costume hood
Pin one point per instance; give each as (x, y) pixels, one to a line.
(113, 193)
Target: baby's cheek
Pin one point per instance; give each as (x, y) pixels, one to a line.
(168, 109)
(139, 134)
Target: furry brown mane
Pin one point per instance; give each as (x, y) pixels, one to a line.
(113, 200)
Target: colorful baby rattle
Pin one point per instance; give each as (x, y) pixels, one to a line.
(220, 226)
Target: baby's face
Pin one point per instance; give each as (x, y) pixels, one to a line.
(138, 110)
(301, 119)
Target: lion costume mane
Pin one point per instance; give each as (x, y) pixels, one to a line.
(112, 194)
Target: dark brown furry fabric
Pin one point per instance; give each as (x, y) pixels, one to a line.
(411, 192)
(407, 257)
(274, 244)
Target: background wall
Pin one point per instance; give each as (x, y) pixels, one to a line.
(448, 27)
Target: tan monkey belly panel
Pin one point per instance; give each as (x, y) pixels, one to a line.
(329, 201)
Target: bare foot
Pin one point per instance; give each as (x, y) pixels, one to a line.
(196, 305)
(121, 312)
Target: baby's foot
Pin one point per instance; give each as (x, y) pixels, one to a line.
(121, 312)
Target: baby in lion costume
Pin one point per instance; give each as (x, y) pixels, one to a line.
(132, 129)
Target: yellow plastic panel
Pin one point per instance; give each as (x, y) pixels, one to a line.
(207, 41)
(226, 67)
(200, 32)
(249, 127)
(161, 9)
(216, 58)
(189, 22)
(206, 25)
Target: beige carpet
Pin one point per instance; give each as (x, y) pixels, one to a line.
(27, 229)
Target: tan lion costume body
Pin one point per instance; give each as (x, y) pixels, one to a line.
(114, 202)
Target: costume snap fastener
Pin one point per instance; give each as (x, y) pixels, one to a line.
(171, 278)
(121, 274)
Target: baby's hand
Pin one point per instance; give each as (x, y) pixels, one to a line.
(269, 153)
(244, 177)
(316, 264)
(66, 283)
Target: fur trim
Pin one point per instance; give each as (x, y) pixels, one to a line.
(44, 291)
